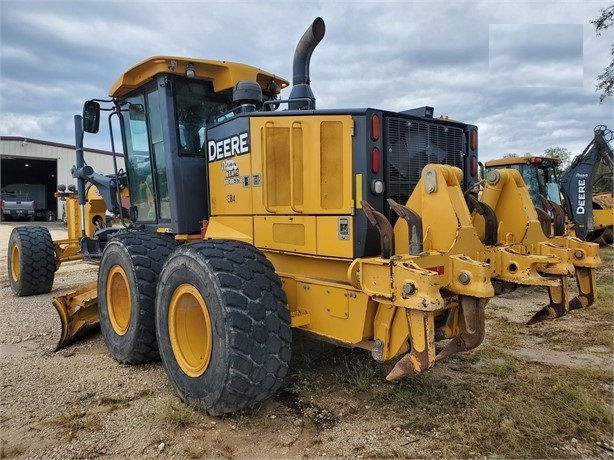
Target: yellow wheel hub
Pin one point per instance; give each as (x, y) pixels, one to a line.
(119, 304)
(189, 329)
(15, 263)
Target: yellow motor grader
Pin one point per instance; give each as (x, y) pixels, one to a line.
(250, 216)
(581, 200)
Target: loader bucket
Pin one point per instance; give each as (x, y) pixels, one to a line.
(78, 310)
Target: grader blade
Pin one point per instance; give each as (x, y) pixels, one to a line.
(78, 310)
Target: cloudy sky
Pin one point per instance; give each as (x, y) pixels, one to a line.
(523, 71)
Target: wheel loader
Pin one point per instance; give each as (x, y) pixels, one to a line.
(246, 216)
(581, 200)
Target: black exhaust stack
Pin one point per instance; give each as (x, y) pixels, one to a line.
(301, 96)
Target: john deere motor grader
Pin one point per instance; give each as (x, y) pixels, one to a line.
(250, 216)
(581, 200)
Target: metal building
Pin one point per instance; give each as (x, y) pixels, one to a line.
(38, 167)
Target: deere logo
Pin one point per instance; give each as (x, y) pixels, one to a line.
(581, 196)
(228, 147)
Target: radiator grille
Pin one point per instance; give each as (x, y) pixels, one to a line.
(410, 146)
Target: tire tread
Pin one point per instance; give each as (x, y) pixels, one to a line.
(257, 321)
(148, 252)
(37, 260)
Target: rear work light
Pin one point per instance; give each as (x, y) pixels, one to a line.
(375, 160)
(375, 127)
(473, 139)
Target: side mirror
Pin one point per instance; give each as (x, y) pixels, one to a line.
(91, 116)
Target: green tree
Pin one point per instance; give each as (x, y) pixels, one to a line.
(562, 154)
(605, 81)
(603, 181)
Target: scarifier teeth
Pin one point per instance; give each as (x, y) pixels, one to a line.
(411, 363)
(386, 233)
(545, 314)
(552, 311)
(402, 368)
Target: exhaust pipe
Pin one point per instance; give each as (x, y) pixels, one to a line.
(301, 90)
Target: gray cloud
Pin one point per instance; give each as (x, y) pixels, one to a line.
(536, 54)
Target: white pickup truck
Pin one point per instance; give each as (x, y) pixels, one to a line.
(17, 206)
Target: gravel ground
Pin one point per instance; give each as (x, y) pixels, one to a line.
(80, 403)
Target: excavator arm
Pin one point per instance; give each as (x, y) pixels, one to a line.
(576, 184)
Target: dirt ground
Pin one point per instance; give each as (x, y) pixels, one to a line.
(80, 403)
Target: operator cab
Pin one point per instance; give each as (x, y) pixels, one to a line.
(165, 105)
(154, 149)
(538, 173)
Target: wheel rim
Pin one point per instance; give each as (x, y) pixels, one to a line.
(15, 263)
(595, 235)
(189, 328)
(119, 304)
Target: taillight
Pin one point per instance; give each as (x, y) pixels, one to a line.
(375, 160)
(375, 127)
(33, 205)
(474, 166)
(2, 204)
(473, 139)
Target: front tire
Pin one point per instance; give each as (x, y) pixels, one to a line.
(223, 325)
(31, 261)
(129, 269)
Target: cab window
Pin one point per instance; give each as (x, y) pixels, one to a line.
(196, 106)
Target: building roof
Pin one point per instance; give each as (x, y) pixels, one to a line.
(54, 144)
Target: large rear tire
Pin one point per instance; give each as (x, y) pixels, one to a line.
(602, 236)
(223, 325)
(31, 261)
(129, 269)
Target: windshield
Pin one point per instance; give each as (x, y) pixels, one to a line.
(196, 106)
(540, 180)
